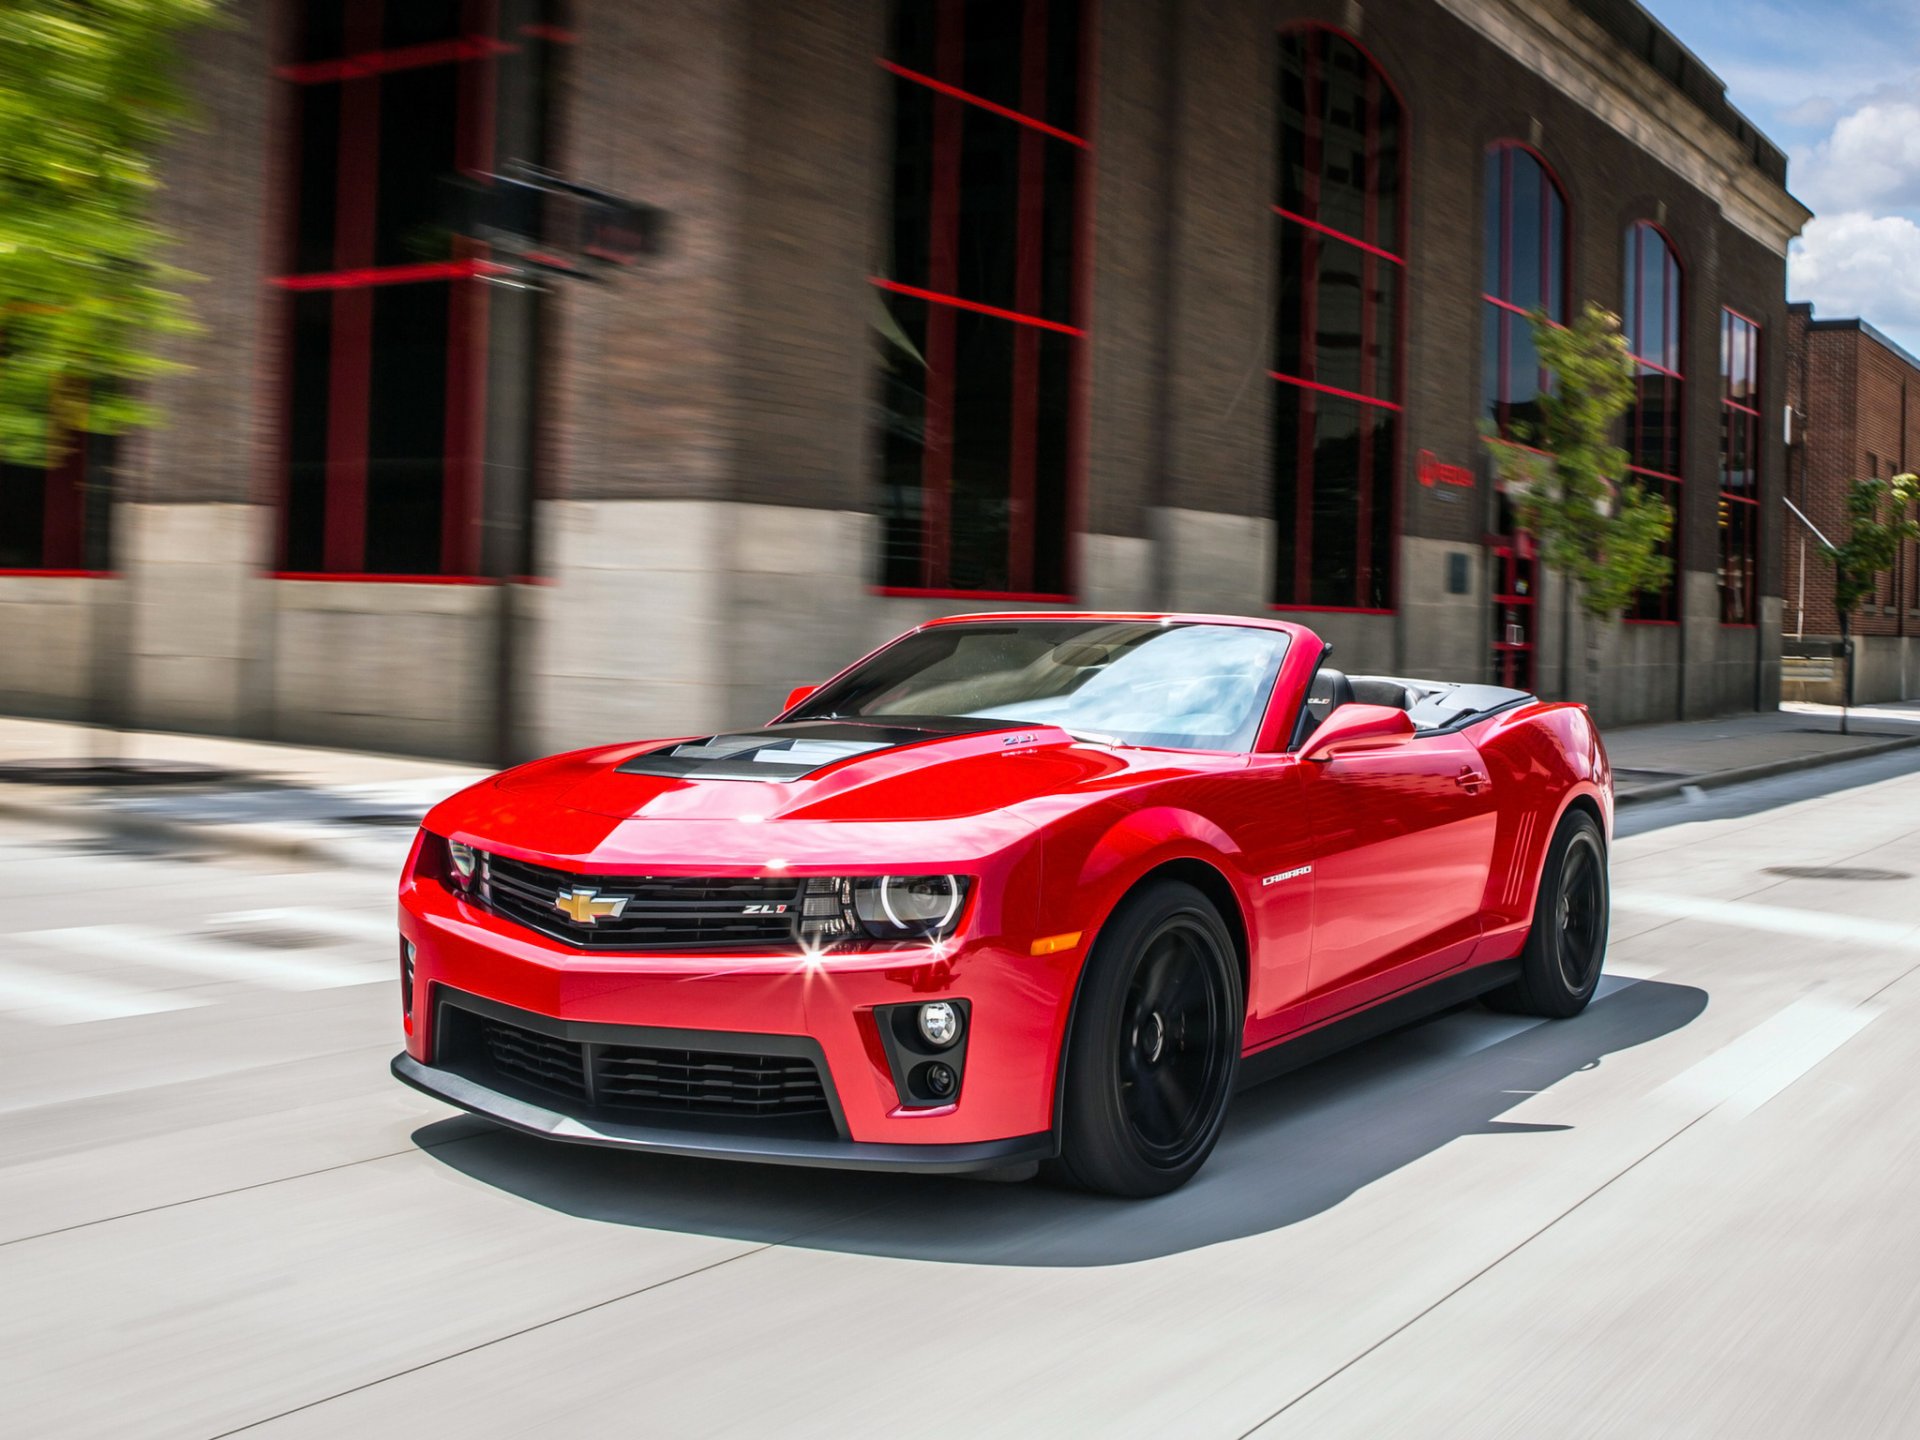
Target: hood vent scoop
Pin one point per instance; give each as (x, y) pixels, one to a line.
(787, 752)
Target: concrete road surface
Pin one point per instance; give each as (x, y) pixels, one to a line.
(1693, 1211)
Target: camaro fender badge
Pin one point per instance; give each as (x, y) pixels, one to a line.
(1293, 874)
(1020, 740)
(584, 906)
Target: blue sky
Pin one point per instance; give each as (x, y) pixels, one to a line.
(1837, 85)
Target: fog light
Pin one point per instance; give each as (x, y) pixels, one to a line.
(940, 1080)
(406, 980)
(940, 1025)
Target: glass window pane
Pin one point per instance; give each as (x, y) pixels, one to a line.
(406, 429)
(1343, 138)
(1554, 280)
(1293, 122)
(310, 357)
(1287, 400)
(1379, 538)
(1337, 319)
(991, 63)
(1383, 343)
(1063, 66)
(913, 110)
(23, 499)
(418, 109)
(986, 249)
(418, 22)
(1059, 203)
(1525, 219)
(1651, 324)
(1386, 168)
(982, 441)
(901, 415)
(1052, 462)
(317, 183)
(1336, 501)
(1523, 373)
(1290, 299)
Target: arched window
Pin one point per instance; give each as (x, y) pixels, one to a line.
(1526, 270)
(1340, 217)
(1651, 311)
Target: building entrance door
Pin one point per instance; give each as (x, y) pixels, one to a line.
(1512, 572)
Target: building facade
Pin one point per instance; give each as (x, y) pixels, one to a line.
(962, 304)
(1855, 397)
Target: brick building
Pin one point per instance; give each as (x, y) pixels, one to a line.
(1856, 402)
(963, 304)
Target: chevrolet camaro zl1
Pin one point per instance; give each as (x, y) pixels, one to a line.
(1013, 888)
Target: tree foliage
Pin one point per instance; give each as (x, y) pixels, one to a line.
(88, 93)
(1880, 516)
(1593, 522)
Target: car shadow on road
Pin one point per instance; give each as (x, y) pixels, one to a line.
(1292, 1149)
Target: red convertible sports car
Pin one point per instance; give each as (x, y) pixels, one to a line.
(1013, 888)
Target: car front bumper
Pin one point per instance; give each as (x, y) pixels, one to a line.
(824, 1008)
(520, 1114)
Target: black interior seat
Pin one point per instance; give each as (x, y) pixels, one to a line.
(1330, 690)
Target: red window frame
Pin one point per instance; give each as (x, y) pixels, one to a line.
(353, 278)
(68, 535)
(1662, 606)
(1381, 378)
(945, 303)
(1739, 513)
(1555, 268)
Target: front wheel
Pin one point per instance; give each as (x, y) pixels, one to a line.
(1154, 1046)
(1560, 967)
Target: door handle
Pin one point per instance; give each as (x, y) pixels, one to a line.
(1470, 779)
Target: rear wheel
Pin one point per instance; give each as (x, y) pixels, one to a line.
(1561, 965)
(1155, 1044)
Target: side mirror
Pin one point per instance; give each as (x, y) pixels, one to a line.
(1350, 729)
(796, 695)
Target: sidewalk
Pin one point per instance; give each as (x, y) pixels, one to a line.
(1651, 762)
(343, 807)
(285, 802)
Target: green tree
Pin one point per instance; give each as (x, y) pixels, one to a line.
(1596, 526)
(1880, 520)
(88, 93)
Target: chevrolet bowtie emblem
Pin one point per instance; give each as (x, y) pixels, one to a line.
(584, 906)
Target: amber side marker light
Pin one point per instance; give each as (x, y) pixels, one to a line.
(1054, 944)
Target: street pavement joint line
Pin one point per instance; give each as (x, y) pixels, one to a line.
(218, 960)
(1750, 1070)
(1498, 1260)
(242, 1189)
(746, 1254)
(1779, 919)
(39, 996)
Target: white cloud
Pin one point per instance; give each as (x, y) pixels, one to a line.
(1855, 263)
(1869, 160)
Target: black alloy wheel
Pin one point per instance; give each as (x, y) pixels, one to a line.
(1560, 967)
(1155, 1045)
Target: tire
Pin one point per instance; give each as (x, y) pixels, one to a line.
(1155, 1045)
(1568, 942)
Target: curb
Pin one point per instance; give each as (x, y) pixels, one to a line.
(1713, 780)
(255, 840)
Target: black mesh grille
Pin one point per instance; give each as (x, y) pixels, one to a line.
(656, 912)
(658, 1081)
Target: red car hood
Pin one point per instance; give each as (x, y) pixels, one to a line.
(940, 800)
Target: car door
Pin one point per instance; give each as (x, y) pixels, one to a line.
(1403, 837)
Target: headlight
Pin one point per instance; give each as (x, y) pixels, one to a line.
(882, 907)
(464, 861)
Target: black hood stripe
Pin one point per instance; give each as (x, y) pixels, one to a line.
(799, 748)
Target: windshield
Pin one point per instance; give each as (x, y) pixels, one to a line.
(1184, 686)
